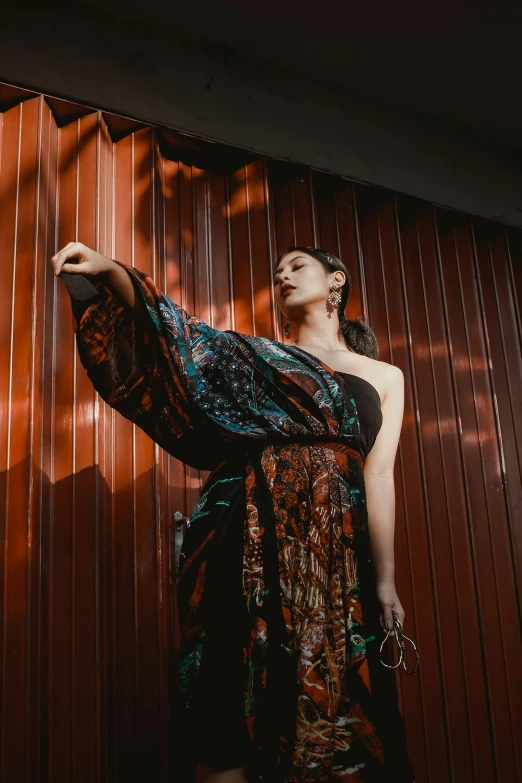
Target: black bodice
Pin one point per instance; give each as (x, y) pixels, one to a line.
(368, 404)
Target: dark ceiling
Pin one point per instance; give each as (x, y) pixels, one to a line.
(455, 62)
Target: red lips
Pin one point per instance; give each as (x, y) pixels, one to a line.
(287, 287)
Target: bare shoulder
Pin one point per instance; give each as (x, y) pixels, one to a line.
(393, 378)
(380, 460)
(383, 368)
(387, 378)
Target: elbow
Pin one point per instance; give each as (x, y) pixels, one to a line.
(375, 475)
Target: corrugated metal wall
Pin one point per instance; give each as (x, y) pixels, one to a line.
(86, 580)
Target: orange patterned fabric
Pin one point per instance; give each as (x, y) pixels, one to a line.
(320, 535)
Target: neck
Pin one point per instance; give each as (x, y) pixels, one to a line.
(320, 336)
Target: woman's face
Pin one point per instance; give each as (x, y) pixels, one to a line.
(310, 280)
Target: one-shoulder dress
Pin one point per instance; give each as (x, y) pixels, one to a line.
(279, 625)
(214, 728)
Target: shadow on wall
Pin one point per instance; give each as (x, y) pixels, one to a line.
(90, 626)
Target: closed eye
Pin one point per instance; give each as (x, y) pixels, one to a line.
(293, 270)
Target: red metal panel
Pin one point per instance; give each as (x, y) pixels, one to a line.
(18, 197)
(441, 513)
(87, 609)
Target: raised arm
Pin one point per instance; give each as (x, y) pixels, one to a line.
(197, 391)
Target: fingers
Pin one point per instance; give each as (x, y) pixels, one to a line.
(388, 615)
(72, 250)
(388, 620)
(73, 269)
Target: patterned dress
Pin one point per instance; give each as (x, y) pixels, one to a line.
(279, 619)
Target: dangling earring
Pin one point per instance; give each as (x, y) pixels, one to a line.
(287, 328)
(335, 297)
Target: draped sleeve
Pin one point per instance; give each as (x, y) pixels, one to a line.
(196, 390)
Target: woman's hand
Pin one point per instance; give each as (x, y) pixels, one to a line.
(84, 260)
(77, 258)
(391, 606)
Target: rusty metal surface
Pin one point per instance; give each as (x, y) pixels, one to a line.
(87, 500)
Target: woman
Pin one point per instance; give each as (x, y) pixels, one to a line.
(286, 575)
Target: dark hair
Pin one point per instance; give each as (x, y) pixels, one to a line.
(357, 333)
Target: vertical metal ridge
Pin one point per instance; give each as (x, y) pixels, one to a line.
(248, 231)
(502, 466)
(156, 474)
(360, 257)
(428, 517)
(336, 219)
(52, 460)
(97, 493)
(32, 448)
(379, 264)
(292, 212)
(230, 264)
(399, 457)
(74, 477)
(513, 282)
(494, 404)
(451, 365)
(512, 396)
(112, 768)
(485, 481)
(30, 281)
(511, 490)
(209, 250)
(8, 428)
(137, 719)
(316, 238)
(271, 245)
(467, 488)
(515, 492)
(518, 441)
(445, 473)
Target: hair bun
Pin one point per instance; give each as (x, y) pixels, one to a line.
(359, 335)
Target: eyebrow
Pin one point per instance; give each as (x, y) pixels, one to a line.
(293, 259)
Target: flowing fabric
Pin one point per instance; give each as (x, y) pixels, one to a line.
(279, 434)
